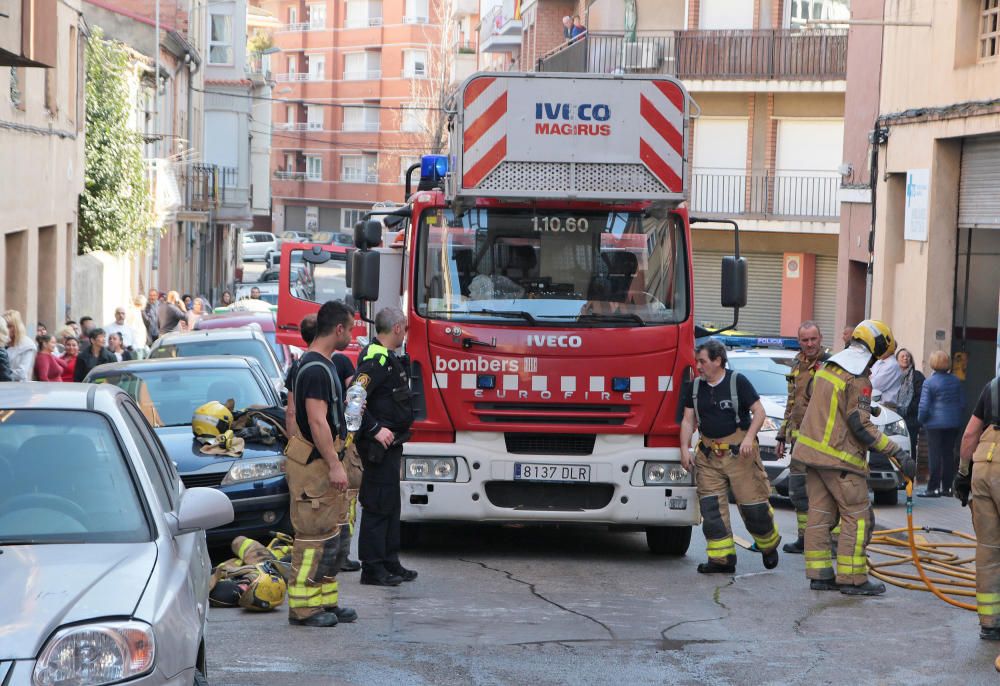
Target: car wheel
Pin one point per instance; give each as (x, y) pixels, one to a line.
(888, 497)
(668, 540)
(199, 678)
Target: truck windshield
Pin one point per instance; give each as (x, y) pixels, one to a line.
(552, 268)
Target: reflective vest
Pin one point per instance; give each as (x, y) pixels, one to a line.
(825, 438)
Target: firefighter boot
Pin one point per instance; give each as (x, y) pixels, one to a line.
(399, 570)
(345, 615)
(796, 547)
(320, 619)
(867, 588)
(711, 567)
(989, 633)
(823, 585)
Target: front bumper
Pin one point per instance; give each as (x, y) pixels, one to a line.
(485, 489)
(255, 517)
(21, 676)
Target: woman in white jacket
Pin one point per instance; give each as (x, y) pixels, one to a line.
(21, 350)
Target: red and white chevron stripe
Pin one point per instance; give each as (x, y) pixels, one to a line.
(661, 132)
(484, 140)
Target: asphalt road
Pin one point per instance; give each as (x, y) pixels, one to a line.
(586, 606)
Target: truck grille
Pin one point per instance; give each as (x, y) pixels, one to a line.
(550, 444)
(549, 497)
(562, 413)
(213, 480)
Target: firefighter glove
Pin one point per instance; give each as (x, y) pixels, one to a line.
(961, 487)
(907, 465)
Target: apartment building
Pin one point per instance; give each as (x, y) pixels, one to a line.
(931, 127)
(360, 86)
(768, 79)
(41, 151)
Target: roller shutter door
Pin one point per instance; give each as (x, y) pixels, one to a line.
(825, 298)
(295, 218)
(978, 198)
(762, 315)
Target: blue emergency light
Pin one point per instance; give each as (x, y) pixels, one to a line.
(433, 167)
(486, 382)
(758, 342)
(621, 384)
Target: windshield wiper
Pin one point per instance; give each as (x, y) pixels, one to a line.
(516, 314)
(612, 317)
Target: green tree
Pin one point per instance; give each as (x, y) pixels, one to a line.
(115, 206)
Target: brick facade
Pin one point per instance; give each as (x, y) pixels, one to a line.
(694, 14)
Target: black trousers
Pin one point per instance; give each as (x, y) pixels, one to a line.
(941, 456)
(378, 538)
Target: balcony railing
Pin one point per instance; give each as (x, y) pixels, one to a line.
(204, 180)
(298, 126)
(499, 21)
(363, 22)
(290, 175)
(753, 55)
(767, 194)
(356, 176)
(298, 76)
(300, 26)
(362, 75)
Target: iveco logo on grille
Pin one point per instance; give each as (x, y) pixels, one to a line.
(536, 341)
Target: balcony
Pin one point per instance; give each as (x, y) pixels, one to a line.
(290, 28)
(206, 184)
(362, 22)
(778, 54)
(358, 176)
(297, 76)
(499, 31)
(282, 175)
(766, 195)
(363, 75)
(465, 8)
(298, 126)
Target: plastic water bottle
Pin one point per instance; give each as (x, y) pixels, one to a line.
(355, 407)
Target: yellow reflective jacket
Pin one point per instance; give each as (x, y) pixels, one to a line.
(837, 432)
(799, 380)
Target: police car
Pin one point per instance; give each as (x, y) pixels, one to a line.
(766, 362)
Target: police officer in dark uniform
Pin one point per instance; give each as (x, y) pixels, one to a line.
(384, 428)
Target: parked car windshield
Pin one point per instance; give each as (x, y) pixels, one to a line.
(64, 479)
(552, 267)
(250, 347)
(169, 398)
(767, 375)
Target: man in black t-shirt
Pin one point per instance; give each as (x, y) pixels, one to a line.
(318, 489)
(978, 474)
(719, 405)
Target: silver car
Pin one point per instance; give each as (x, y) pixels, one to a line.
(102, 548)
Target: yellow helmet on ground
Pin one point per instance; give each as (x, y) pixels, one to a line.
(266, 591)
(211, 419)
(876, 336)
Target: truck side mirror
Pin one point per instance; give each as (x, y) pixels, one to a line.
(349, 266)
(367, 234)
(316, 255)
(364, 275)
(734, 281)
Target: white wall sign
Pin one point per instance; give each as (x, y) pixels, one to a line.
(918, 184)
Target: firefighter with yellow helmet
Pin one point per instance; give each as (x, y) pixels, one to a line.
(833, 441)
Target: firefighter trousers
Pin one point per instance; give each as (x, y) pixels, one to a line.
(797, 494)
(319, 516)
(715, 475)
(834, 492)
(986, 521)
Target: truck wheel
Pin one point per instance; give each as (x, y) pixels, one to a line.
(668, 540)
(887, 497)
(409, 535)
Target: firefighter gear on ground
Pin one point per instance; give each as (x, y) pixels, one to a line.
(266, 589)
(834, 438)
(799, 382)
(383, 375)
(211, 419)
(985, 492)
(719, 468)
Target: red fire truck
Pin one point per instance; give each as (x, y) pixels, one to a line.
(544, 267)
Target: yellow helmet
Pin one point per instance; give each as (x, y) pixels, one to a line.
(211, 419)
(266, 591)
(876, 336)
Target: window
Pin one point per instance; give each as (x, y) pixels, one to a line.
(361, 118)
(416, 12)
(405, 163)
(363, 13)
(293, 15)
(292, 64)
(989, 30)
(414, 118)
(415, 64)
(317, 17)
(220, 39)
(362, 65)
(349, 217)
(802, 11)
(359, 168)
(290, 116)
(314, 168)
(317, 67)
(165, 490)
(314, 117)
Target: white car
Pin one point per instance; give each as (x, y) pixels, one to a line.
(257, 245)
(767, 369)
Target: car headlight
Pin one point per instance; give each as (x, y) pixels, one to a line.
(430, 468)
(255, 470)
(661, 473)
(96, 654)
(896, 428)
(771, 424)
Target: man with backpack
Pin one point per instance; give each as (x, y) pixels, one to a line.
(719, 404)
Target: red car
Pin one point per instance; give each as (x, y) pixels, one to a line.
(266, 322)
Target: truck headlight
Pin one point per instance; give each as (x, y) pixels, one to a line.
(96, 654)
(254, 470)
(663, 473)
(771, 424)
(430, 468)
(896, 428)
